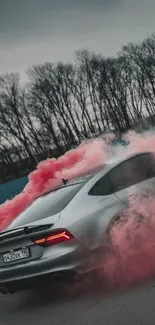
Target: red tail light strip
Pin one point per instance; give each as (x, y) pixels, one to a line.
(54, 238)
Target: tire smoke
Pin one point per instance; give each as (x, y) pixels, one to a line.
(133, 238)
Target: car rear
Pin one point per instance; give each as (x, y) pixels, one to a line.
(34, 253)
(40, 250)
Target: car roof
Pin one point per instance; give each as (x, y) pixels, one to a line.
(103, 169)
(114, 161)
(76, 181)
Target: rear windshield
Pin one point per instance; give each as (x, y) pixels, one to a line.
(48, 205)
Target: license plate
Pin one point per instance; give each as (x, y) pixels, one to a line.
(16, 255)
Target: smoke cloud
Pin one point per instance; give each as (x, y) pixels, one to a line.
(133, 238)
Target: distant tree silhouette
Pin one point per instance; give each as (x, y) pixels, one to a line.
(62, 104)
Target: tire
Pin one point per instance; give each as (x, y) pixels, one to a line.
(113, 250)
(123, 219)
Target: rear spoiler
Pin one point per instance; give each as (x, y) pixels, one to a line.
(22, 230)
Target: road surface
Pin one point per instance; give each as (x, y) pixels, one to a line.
(133, 307)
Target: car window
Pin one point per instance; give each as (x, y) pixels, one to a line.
(121, 176)
(102, 187)
(48, 205)
(132, 171)
(147, 163)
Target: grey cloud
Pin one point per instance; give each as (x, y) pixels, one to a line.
(20, 17)
(34, 31)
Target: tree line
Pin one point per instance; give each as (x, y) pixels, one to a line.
(63, 104)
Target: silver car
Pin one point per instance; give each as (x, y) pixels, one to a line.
(56, 237)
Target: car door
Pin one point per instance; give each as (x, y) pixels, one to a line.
(107, 206)
(135, 176)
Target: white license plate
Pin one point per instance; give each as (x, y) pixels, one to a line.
(16, 255)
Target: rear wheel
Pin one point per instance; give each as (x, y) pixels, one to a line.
(113, 259)
(110, 242)
(128, 229)
(121, 248)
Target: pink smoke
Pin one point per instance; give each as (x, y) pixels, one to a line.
(133, 240)
(132, 259)
(138, 143)
(49, 174)
(74, 163)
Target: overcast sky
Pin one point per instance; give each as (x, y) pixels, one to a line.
(35, 31)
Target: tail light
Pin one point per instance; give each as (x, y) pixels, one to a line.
(54, 238)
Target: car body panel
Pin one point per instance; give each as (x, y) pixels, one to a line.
(145, 187)
(61, 257)
(49, 220)
(85, 216)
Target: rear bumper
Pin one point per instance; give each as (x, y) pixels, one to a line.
(37, 281)
(63, 264)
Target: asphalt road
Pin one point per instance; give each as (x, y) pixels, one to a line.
(51, 307)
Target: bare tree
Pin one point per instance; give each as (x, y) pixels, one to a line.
(66, 103)
(12, 118)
